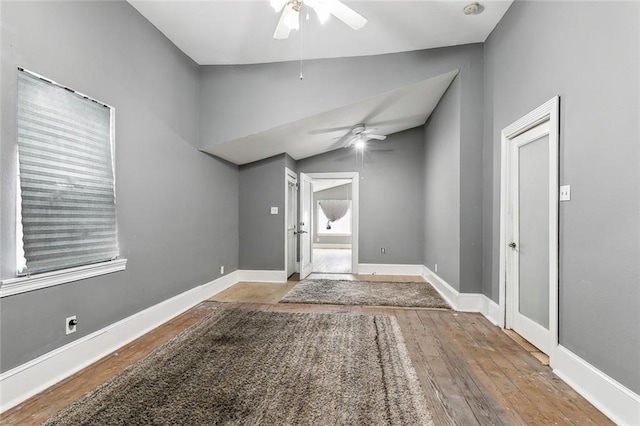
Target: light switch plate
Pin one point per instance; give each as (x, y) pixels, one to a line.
(565, 193)
(274, 210)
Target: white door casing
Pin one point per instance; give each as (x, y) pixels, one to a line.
(355, 209)
(305, 225)
(291, 218)
(536, 129)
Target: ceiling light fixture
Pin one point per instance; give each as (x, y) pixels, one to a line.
(324, 9)
(291, 15)
(473, 9)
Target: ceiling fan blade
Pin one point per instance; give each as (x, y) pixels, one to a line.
(376, 137)
(351, 142)
(278, 4)
(341, 142)
(329, 130)
(282, 30)
(347, 15)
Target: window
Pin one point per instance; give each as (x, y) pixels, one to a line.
(339, 227)
(66, 213)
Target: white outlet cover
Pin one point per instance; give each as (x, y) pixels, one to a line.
(274, 210)
(565, 193)
(70, 329)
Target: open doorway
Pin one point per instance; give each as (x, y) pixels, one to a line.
(331, 233)
(329, 223)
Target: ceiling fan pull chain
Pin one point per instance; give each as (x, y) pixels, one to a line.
(300, 17)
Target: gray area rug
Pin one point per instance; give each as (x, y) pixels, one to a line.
(246, 367)
(366, 293)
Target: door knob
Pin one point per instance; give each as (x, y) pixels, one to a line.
(512, 244)
(301, 232)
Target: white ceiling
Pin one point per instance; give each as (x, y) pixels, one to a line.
(394, 111)
(221, 32)
(240, 31)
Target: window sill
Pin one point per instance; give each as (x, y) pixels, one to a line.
(325, 234)
(13, 286)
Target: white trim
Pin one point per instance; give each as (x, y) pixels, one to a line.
(254, 276)
(388, 269)
(290, 177)
(331, 246)
(305, 225)
(447, 292)
(615, 400)
(549, 111)
(463, 302)
(12, 286)
(355, 210)
(34, 376)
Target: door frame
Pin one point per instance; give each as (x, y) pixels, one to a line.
(355, 209)
(305, 268)
(549, 111)
(290, 177)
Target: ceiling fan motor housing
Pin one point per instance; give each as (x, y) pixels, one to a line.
(358, 129)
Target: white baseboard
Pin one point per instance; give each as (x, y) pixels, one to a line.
(251, 276)
(463, 302)
(331, 246)
(30, 378)
(388, 269)
(615, 400)
(612, 398)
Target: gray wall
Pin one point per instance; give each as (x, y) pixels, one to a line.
(271, 94)
(177, 208)
(442, 187)
(262, 186)
(342, 192)
(543, 49)
(391, 197)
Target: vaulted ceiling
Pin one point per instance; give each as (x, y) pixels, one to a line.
(215, 32)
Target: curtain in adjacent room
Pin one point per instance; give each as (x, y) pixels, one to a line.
(334, 209)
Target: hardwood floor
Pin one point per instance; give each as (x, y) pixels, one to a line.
(335, 261)
(472, 372)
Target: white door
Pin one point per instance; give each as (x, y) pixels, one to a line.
(531, 255)
(291, 203)
(304, 225)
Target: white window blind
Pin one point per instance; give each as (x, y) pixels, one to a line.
(66, 173)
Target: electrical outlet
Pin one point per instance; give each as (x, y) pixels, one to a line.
(70, 324)
(436, 266)
(383, 250)
(222, 269)
(565, 193)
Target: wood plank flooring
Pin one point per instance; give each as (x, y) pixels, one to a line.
(332, 261)
(472, 372)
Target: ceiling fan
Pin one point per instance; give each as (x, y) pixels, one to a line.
(358, 136)
(290, 17)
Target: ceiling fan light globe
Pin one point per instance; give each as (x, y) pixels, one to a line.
(360, 144)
